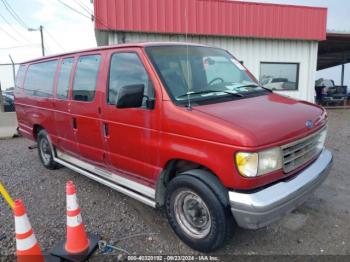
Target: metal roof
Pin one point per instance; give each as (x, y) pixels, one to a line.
(335, 50)
(212, 17)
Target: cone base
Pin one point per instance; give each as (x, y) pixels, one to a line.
(51, 258)
(60, 251)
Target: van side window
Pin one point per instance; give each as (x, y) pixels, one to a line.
(127, 69)
(20, 76)
(40, 78)
(85, 79)
(63, 79)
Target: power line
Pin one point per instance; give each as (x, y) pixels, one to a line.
(9, 35)
(8, 64)
(54, 39)
(92, 15)
(73, 9)
(14, 14)
(19, 46)
(83, 6)
(48, 50)
(14, 28)
(91, 18)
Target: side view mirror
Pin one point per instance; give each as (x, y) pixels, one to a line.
(130, 96)
(150, 102)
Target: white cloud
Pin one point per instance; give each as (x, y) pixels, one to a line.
(71, 30)
(47, 12)
(24, 48)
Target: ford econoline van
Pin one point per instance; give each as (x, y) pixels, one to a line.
(180, 126)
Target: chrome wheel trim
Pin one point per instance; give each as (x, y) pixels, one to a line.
(192, 214)
(45, 151)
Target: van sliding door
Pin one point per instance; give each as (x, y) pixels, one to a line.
(85, 108)
(64, 130)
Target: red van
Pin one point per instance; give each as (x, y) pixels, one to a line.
(182, 126)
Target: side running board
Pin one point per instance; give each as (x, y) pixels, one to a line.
(121, 184)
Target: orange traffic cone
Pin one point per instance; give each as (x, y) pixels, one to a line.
(79, 245)
(77, 240)
(28, 249)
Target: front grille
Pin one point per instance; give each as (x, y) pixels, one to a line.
(301, 151)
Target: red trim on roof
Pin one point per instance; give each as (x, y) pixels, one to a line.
(212, 17)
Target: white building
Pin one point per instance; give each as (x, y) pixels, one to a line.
(277, 43)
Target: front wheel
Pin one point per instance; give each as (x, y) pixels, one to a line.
(45, 150)
(196, 214)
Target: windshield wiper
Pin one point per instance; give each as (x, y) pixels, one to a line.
(255, 85)
(248, 85)
(209, 91)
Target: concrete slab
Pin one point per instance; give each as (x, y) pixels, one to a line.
(8, 124)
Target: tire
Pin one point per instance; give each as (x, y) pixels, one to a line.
(45, 150)
(196, 214)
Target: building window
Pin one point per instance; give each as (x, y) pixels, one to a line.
(85, 79)
(279, 76)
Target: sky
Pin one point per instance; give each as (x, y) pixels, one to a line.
(66, 30)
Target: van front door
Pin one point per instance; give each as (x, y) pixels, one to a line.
(131, 134)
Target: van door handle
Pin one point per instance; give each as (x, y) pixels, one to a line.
(74, 123)
(105, 130)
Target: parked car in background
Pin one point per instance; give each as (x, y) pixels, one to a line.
(9, 103)
(165, 124)
(278, 83)
(9, 92)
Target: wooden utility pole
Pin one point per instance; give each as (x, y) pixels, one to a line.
(41, 37)
(42, 40)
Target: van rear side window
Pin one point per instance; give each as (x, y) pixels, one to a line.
(40, 78)
(85, 79)
(20, 76)
(63, 79)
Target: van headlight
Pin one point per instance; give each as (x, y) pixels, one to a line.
(257, 164)
(321, 139)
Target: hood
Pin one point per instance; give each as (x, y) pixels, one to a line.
(269, 118)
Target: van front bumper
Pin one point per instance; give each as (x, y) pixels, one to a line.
(258, 209)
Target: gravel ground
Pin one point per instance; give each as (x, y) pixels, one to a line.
(320, 226)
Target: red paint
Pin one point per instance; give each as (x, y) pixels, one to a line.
(212, 17)
(141, 141)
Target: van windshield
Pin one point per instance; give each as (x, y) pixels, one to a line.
(201, 73)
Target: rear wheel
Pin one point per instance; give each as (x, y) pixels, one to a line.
(45, 150)
(196, 214)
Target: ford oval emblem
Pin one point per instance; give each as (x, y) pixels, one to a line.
(309, 124)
